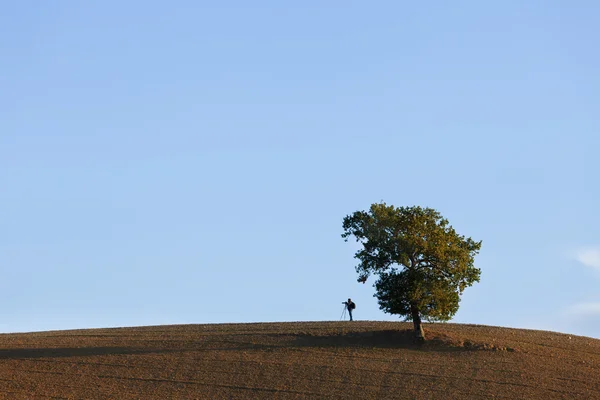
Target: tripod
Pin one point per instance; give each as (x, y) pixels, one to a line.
(344, 313)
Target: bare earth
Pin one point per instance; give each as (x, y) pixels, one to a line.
(304, 360)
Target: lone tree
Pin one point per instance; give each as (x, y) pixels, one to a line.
(422, 265)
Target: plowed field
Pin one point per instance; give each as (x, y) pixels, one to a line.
(305, 360)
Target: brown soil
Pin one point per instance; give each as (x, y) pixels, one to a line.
(304, 360)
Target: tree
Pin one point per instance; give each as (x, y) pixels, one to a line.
(422, 265)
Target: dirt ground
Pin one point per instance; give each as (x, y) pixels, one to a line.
(304, 360)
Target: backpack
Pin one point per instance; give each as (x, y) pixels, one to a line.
(352, 306)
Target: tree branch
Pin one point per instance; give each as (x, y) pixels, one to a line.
(433, 265)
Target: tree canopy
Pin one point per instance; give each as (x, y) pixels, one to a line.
(422, 264)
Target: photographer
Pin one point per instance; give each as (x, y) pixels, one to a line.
(349, 306)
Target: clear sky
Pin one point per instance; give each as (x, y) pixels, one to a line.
(191, 162)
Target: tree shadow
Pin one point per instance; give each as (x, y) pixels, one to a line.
(381, 339)
(387, 339)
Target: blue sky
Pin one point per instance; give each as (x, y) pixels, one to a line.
(191, 162)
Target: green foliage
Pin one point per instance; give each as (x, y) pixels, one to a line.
(422, 265)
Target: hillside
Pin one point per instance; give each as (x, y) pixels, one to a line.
(359, 360)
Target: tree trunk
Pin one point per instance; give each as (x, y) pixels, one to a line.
(416, 317)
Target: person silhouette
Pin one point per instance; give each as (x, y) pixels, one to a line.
(349, 306)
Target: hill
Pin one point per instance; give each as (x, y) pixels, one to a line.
(304, 360)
